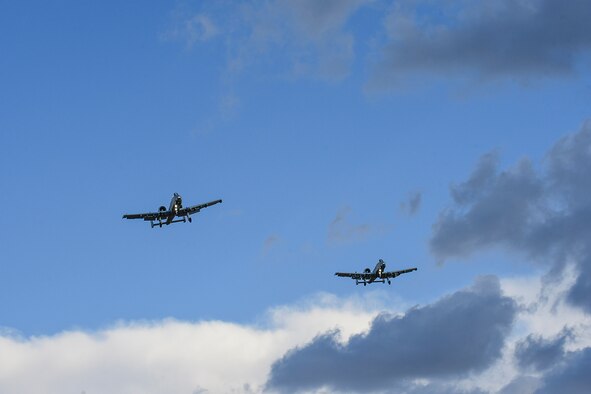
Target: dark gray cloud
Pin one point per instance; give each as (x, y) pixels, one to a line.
(491, 207)
(571, 377)
(569, 374)
(459, 334)
(523, 39)
(545, 214)
(539, 353)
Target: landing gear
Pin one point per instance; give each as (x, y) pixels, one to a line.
(159, 224)
(389, 282)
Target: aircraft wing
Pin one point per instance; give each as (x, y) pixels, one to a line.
(148, 216)
(354, 275)
(196, 208)
(394, 274)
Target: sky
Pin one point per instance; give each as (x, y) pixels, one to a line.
(454, 137)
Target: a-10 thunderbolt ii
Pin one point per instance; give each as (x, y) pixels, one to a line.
(175, 210)
(376, 276)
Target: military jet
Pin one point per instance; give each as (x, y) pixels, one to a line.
(377, 275)
(167, 216)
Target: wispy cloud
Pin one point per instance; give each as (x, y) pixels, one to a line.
(413, 204)
(342, 231)
(191, 29)
(307, 37)
(270, 242)
(304, 37)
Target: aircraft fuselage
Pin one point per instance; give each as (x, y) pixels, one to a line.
(176, 203)
(377, 271)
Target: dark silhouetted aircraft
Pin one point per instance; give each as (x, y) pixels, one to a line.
(167, 216)
(377, 275)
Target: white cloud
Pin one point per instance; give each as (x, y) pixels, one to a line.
(546, 310)
(170, 355)
(545, 313)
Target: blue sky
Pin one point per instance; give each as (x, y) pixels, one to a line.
(316, 123)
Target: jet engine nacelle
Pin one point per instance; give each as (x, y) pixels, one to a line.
(162, 208)
(367, 270)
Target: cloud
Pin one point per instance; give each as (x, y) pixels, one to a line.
(522, 385)
(570, 377)
(303, 37)
(506, 38)
(427, 342)
(172, 356)
(316, 18)
(490, 208)
(520, 39)
(307, 36)
(435, 388)
(342, 231)
(413, 204)
(270, 243)
(541, 353)
(543, 214)
(191, 29)
(539, 343)
(276, 38)
(569, 374)
(458, 345)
